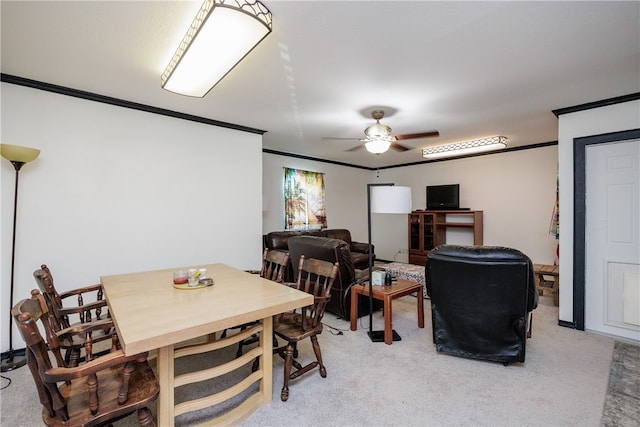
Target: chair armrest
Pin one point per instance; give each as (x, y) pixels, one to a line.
(109, 360)
(86, 289)
(84, 308)
(84, 328)
(87, 312)
(361, 247)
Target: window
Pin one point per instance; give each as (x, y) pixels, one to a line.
(303, 200)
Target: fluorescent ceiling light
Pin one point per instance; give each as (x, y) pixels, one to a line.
(221, 35)
(466, 147)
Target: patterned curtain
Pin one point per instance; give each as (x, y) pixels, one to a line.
(303, 200)
(554, 226)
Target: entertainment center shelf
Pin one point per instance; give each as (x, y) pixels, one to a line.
(428, 229)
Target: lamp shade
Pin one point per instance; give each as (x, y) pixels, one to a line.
(16, 153)
(222, 33)
(391, 199)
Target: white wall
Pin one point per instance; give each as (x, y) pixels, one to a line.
(613, 118)
(119, 190)
(345, 193)
(516, 191)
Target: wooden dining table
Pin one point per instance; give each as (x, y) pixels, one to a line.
(151, 314)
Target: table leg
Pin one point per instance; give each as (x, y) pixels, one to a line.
(354, 309)
(266, 342)
(166, 402)
(420, 309)
(388, 327)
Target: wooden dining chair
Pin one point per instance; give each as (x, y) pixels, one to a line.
(315, 277)
(274, 264)
(101, 390)
(80, 305)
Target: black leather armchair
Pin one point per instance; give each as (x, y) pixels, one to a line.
(481, 300)
(333, 250)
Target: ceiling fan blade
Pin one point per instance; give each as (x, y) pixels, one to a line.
(325, 138)
(430, 134)
(398, 147)
(356, 148)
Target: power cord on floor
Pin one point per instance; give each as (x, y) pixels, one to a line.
(8, 384)
(334, 330)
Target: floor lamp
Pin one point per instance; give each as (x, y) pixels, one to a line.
(18, 156)
(390, 199)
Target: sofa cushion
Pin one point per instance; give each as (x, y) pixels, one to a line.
(338, 233)
(280, 239)
(360, 260)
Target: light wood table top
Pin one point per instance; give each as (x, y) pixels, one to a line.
(150, 313)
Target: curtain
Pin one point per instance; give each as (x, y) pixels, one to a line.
(554, 226)
(304, 205)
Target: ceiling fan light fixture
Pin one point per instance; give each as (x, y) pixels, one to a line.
(378, 146)
(377, 131)
(221, 35)
(465, 147)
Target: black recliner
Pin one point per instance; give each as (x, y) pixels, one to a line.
(481, 300)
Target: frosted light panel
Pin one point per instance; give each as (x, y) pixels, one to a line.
(391, 199)
(206, 56)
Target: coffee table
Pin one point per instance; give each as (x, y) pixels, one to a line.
(387, 294)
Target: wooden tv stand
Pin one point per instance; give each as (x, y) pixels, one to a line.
(428, 229)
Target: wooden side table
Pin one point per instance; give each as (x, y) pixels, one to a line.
(387, 294)
(542, 270)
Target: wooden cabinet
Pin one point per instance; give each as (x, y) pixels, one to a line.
(428, 229)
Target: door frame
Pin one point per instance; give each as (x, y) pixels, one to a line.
(579, 213)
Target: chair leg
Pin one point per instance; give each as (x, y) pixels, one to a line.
(145, 419)
(316, 350)
(284, 394)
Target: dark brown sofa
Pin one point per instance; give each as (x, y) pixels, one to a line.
(279, 240)
(333, 250)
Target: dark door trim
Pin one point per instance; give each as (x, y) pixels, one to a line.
(579, 213)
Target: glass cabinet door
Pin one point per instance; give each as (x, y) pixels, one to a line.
(414, 233)
(427, 230)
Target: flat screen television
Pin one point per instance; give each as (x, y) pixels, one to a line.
(443, 197)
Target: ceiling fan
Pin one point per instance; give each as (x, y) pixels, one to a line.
(378, 137)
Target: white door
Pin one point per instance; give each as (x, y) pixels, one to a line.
(612, 239)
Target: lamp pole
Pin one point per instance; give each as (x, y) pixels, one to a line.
(13, 361)
(18, 156)
(373, 336)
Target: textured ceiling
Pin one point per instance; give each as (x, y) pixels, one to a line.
(467, 69)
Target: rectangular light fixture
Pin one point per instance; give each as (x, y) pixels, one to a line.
(465, 147)
(221, 35)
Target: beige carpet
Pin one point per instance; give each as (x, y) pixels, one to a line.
(562, 383)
